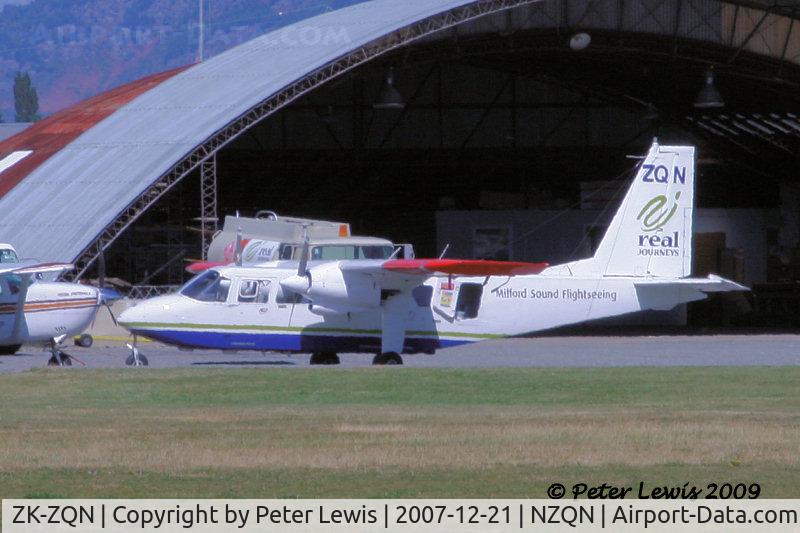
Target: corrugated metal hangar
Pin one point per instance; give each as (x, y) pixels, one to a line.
(479, 120)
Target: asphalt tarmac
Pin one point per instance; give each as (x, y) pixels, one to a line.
(583, 351)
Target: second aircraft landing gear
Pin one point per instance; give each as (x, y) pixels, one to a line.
(58, 357)
(84, 341)
(10, 350)
(388, 358)
(324, 358)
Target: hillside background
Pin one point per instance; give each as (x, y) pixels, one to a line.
(75, 49)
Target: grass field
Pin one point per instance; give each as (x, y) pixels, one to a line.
(394, 432)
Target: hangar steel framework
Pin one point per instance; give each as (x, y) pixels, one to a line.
(763, 28)
(206, 151)
(759, 39)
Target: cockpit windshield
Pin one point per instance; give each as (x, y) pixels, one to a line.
(208, 287)
(338, 252)
(8, 256)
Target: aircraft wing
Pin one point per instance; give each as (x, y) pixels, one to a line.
(33, 267)
(26, 270)
(202, 266)
(23, 269)
(463, 267)
(443, 267)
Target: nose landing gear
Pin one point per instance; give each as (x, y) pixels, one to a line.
(136, 358)
(59, 357)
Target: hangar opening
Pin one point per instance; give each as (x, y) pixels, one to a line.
(509, 136)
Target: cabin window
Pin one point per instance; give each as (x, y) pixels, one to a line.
(8, 256)
(208, 287)
(423, 295)
(341, 252)
(287, 252)
(469, 300)
(254, 291)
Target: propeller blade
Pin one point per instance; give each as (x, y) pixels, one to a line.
(108, 296)
(302, 267)
(238, 256)
(111, 312)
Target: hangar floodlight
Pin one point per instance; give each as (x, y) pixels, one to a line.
(580, 41)
(709, 96)
(390, 97)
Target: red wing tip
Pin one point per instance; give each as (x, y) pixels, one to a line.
(196, 268)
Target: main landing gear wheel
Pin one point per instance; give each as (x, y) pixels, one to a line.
(324, 358)
(10, 350)
(388, 358)
(84, 341)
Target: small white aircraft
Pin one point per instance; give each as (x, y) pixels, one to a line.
(389, 307)
(39, 312)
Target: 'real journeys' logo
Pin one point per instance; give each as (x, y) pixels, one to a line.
(655, 215)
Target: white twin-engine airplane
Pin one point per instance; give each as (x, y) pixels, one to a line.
(40, 312)
(389, 307)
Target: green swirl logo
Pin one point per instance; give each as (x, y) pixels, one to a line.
(654, 215)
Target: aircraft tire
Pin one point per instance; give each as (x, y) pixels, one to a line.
(84, 341)
(10, 350)
(131, 361)
(388, 358)
(65, 361)
(324, 358)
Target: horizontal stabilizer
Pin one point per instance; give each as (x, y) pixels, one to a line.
(463, 267)
(712, 283)
(664, 294)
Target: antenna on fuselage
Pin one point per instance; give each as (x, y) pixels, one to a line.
(301, 268)
(447, 247)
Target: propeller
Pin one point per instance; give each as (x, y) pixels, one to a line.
(238, 255)
(302, 266)
(107, 296)
(302, 281)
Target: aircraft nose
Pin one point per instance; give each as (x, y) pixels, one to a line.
(109, 296)
(131, 315)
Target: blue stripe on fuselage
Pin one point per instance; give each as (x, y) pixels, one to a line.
(287, 341)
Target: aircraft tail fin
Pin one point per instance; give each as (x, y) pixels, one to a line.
(651, 232)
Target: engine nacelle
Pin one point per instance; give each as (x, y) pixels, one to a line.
(329, 287)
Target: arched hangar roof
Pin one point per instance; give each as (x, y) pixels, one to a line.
(78, 199)
(73, 182)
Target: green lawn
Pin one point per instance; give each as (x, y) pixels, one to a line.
(394, 432)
